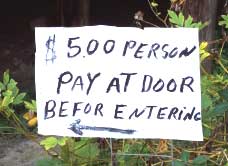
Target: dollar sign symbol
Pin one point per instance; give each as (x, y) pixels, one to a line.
(50, 44)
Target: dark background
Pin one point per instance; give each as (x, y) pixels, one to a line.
(17, 17)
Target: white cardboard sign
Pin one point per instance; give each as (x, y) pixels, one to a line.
(118, 82)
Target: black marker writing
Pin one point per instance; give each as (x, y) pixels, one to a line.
(50, 44)
(77, 128)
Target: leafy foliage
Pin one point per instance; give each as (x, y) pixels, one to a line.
(179, 20)
(9, 92)
(200, 161)
(73, 152)
(224, 21)
(49, 142)
(30, 105)
(9, 99)
(48, 162)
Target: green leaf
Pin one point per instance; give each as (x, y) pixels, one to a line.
(206, 132)
(204, 56)
(49, 142)
(188, 22)
(48, 162)
(30, 105)
(34, 102)
(224, 94)
(173, 18)
(6, 77)
(15, 92)
(62, 141)
(202, 25)
(81, 143)
(225, 17)
(89, 151)
(199, 25)
(2, 86)
(178, 20)
(185, 156)
(200, 161)
(7, 93)
(6, 101)
(178, 163)
(126, 147)
(19, 98)
(12, 84)
(206, 101)
(221, 108)
(222, 23)
(181, 19)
